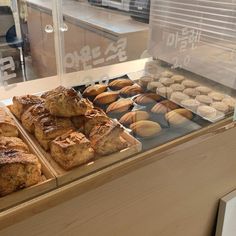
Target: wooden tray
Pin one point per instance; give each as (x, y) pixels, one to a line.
(48, 183)
(63, 176)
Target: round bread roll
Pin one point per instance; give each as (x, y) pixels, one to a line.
(190, 83)
(177, 87)
(190, 104)
(218, 97)
(167, 74)
(178, 78)
(133, 116)
(207, 112)
(164, 107)
(220, 106)
(152, 86)
(203, 90)
(178, 97)
(179, 116)
(229, 101)
(204, 99)
(191, 92)
(146, 128)
(144, 80)
(166, 81)
(164, 92)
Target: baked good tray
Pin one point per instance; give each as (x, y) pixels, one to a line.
(47, 183)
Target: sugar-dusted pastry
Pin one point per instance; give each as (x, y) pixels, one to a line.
(106, 139)
(204, 99)
(118, 84)
(178, 97)
(134, 116)
(203, 90)
(207, 112)
(147, 98)
(120, 106)
(145, 80)
(50, 127)
(94, 90)
(190, 83)
(91, 119)
(131, 90)
(164, 91)
(164, 106)
(146, 128)
(220, 106)
(191, 104)
(152, 86)
(166, 81)
(167, 73)
(217, 97)
(18, 170)
(177, 87)
(13, 143)
(66, 103)
(229, 101)
(106, 98)
(7, 125)
(178, 78)
(191, 92)
(22, 103)
(71, 149)
(32, 114)
(179, 116)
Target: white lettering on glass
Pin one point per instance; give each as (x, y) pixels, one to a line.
(7, 67)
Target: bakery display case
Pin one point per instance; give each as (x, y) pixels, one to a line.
(123, 143)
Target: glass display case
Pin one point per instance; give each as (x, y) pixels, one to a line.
(100, 90)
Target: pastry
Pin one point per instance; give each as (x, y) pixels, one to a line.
(164, 92)
(118, 84)
(71, 149)
(164, 106)
(133, 116)
(31, 115)
(177, 87)
(120, 106)
(218, 97)
(203, 90)
(106, 98)
(204, 99)
(231, 102)
(18, 170)
(179, 116)
(91, 119)
(190, 104)
(178, 97)
(50, 127)
(145, 128)
(7, 125)
(22, 103)
(190, 83)
(147, 98)
(13, 143)
(152, 86)
(166, 81)
(220, 106)
(178, 78)
(167, 74)
(191, 92)
(54, 92)
(67, 104)
(106, 139)
(94, 90)
(207, 112)
(131, 90)
(145, 80)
